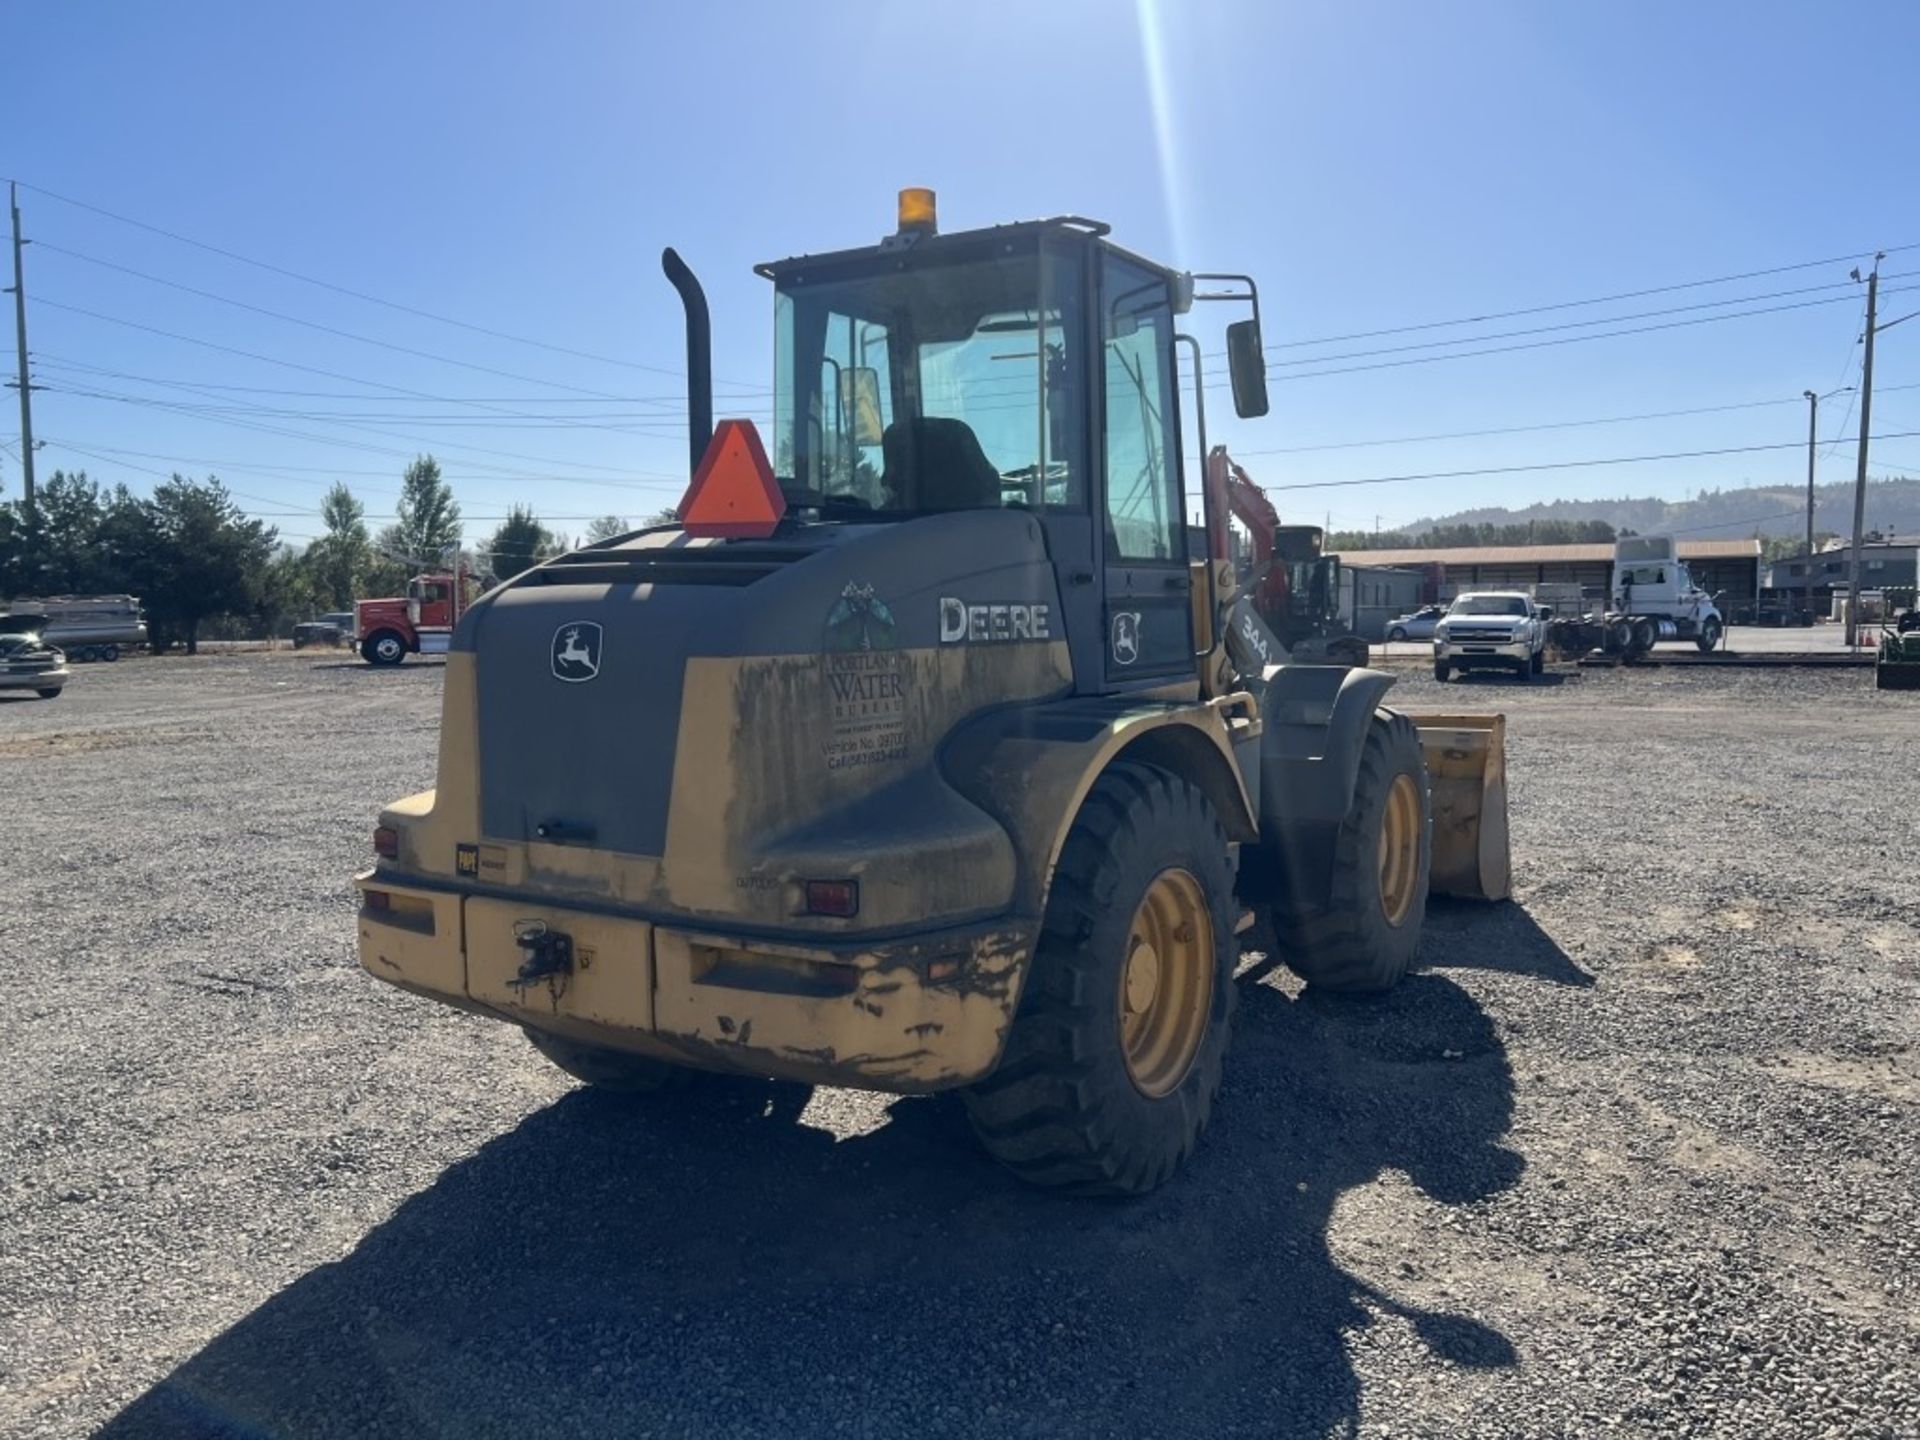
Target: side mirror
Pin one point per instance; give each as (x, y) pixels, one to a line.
(1545, 612)
(1247, 363)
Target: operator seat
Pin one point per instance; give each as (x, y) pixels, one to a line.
(936, 463)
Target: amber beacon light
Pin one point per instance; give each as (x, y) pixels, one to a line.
(917, 210)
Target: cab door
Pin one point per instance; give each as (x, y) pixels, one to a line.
(1148, 617)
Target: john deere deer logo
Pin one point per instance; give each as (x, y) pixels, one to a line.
(576, 651)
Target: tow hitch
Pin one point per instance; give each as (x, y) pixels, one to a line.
(546, 953)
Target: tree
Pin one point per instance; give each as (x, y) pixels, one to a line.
(520, 541)
(668, 516)
(340, 561)
(68, 510)
(290, 588)
(190, 554)
(607, 527)
(429, 520)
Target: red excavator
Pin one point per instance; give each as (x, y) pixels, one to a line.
(1295, 588)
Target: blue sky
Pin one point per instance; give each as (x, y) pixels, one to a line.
(518, 168)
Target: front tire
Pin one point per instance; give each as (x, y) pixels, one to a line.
(1709, 636)
(52, 692)
(383, 648)
(1442, 671)
(610, 1069)
(1396, 635)
(1114, 1059)
(1365, 935)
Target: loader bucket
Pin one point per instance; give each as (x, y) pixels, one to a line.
(1467, 771)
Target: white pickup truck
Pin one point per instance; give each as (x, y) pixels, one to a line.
(1491, 630)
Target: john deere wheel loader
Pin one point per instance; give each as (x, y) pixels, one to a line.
(920, 755)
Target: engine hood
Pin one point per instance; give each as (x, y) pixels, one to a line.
(711, 702)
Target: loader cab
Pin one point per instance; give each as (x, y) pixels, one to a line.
(1029, 367)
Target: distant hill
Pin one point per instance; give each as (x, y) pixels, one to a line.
(1893, 507)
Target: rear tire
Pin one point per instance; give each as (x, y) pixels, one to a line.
(110, 653)
(1396, 635)
(383, 647)
(1364, 937)
(610, 1069)
(1645, 634)
(1114, 1059)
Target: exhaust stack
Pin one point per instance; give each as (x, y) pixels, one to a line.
(699, 356)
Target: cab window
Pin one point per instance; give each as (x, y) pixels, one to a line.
(1143, 494)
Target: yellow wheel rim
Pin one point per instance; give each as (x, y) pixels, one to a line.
(1166, 983)
(1399, 850)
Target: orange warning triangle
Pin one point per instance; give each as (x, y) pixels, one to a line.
(733, 494)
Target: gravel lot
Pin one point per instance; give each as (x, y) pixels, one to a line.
(1635, 1154)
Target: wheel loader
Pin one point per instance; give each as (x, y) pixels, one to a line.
(922, 753)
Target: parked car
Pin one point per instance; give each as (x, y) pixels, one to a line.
(26, 661)
(1418, 625)
(333, 628)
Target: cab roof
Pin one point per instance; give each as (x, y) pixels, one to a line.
(909, 244)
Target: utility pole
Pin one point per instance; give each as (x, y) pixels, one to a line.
(1860, 472)
(24, 384)
(1813, 414)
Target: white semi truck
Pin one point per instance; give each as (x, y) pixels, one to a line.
(1652, 597)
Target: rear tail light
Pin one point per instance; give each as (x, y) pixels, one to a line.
(386, 843)
(833, 897)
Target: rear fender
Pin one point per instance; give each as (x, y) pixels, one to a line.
(1032, 766)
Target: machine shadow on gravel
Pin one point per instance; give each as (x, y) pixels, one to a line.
(1469, 935)
(710, 1264)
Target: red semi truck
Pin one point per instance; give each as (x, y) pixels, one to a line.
(419, 623)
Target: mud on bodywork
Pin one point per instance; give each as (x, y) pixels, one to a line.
(915, 1014)
(667, 816)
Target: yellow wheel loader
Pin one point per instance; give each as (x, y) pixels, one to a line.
(931, 749)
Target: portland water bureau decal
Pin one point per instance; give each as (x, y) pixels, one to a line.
(866, 681)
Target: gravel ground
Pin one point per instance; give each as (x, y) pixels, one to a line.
(1635, 1154)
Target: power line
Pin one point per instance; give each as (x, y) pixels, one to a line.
(1589, 324)
(323, 329)
(1561, 340)
(1578, 304)
(274, 360)
(43, 356)
(1545, 425)
(281, 471)
(360, 295)
(176, 407)
(1558, 465)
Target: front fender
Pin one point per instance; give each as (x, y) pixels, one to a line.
(1317, 718)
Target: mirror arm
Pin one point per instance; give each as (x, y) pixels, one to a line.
(1250, 296)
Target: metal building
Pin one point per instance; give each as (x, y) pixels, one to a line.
(1728, 569)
